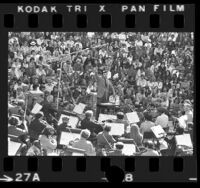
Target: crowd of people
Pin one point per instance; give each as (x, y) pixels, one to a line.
(149, 73)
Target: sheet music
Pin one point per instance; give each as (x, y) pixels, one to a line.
(36, 108)
(66, 137)
(73, 121)
(182, 121)
(184, 140)
(117, 129)
(79, 108)
(104, 117)
(158, 131)
(13, 147)
(62, 116)
(129, 149)
(132, 117)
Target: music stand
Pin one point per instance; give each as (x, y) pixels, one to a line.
(109, 106)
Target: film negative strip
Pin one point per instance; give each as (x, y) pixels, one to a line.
(98, 93)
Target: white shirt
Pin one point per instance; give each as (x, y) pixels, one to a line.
(189, 115)
(138, 43)
(182, 121)
(85, 145)
(162, 120)
(49, 87)
(48, 144)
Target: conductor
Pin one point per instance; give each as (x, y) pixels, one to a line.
(104, 87)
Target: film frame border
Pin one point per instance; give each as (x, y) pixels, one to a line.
(91, 161)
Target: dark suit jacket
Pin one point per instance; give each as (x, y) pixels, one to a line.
(35, 128)
(62, 127)
(90, 125)
(104, 87)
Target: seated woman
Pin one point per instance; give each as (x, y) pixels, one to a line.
(47, 141)
(136, 135)
(104, 139)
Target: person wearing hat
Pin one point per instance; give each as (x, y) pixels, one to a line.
(118, 150)
(36, 126)
(84, 144)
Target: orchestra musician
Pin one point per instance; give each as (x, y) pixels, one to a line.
(84, 144)
(163, 118)
(136, 135)
(36, 126)
(150, 151)
(104, 139)
(63, 125)
(118, 150)
(47, 140)
(35, 149)
(93, 126)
